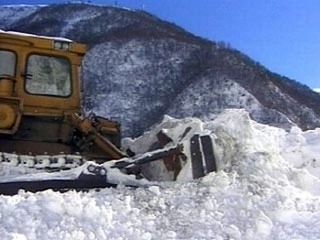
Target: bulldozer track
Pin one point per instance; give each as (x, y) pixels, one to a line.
(42, 162)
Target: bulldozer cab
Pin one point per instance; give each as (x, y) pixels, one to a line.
(42, 72)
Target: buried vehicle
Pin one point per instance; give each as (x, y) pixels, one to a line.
(43, 126)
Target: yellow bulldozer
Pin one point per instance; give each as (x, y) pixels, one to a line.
(40, 104)
(41, 115)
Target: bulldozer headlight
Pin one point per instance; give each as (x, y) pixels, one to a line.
(65, 46)
(60, 45)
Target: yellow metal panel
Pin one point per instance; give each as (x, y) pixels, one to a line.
(24, 45)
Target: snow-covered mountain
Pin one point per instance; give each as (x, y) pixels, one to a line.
(139, 68)
(12, 13)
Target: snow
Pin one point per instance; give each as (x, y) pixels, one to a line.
(36, 36)
(9, 14)
(317, 90)
(302, 148)
(74, 19)
(267, 187)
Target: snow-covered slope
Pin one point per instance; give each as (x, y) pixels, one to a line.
(12, 13)
(149, 78)
(264, 189)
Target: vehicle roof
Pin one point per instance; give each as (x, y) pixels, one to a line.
(45, 42)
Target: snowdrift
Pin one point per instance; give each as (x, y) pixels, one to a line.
(267, 187)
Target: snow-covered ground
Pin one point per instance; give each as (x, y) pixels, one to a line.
(267, 187)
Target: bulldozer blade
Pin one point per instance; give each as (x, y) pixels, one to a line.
(196, 157)
(208, 153)
(171, 162)
(93, 176)
(202, 156)
(149, 157)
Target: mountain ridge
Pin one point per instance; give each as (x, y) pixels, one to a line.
(139, 68)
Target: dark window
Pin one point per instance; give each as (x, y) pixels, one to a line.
(7, 63)
(48, 75)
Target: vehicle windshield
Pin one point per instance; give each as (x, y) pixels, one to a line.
(7, 63)
(48, 75)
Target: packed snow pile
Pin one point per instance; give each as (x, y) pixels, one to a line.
(267, 187)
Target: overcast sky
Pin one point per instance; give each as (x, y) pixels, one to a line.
(282, 35)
